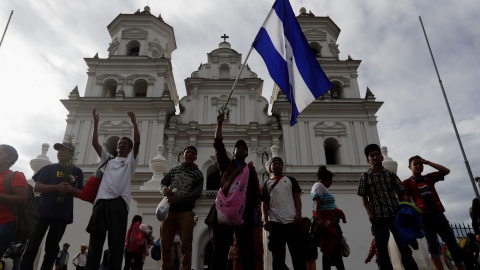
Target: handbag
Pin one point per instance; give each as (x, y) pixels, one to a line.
(345, 247)
(156, 252)
(163, 208)
(90, 190)
(230, 206)
(211, 216)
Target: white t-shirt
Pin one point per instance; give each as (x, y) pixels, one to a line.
(80, 259)
(282, 203)
(117, 177)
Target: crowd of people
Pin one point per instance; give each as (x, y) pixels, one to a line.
(242, 211)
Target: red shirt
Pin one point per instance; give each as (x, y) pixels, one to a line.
(19, 180)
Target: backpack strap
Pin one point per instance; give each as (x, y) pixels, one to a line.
(233, 175)
(8, 182)
(104, 163)
(275, 184)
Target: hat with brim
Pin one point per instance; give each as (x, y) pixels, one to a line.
(65, 145)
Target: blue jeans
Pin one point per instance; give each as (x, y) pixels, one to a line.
(6, 236)
(382, 231)
(436, 223)
(56, 229)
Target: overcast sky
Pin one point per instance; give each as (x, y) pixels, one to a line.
(41, 61)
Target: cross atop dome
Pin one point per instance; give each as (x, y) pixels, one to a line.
(225, 37)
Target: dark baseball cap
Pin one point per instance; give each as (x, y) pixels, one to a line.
(242, 143)
(66, 244)
(370, 148)
(66, 145)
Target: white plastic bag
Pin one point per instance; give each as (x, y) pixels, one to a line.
(163, 207)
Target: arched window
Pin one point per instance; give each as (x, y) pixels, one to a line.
(133, 48)
(316, 49)
(110, 88)
(336, 90)
(140, 88)
(111, 145)
(224, 71)
(213, 178)
(332, 151)
(213, 181)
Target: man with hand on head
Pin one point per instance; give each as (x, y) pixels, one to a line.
(55, 213)
(110, 209)
(188, 180)
(379, 189)
(422, 189)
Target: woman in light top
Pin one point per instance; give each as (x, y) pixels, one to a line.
(326, 221)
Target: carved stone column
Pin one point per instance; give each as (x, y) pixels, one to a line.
(159, 166)
(37, 163)
(388, 162)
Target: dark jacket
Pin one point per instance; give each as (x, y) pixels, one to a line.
(408, 222)
(227, 166)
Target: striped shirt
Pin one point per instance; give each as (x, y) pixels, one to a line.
(189, 185)
(381, 190)
(321, 192)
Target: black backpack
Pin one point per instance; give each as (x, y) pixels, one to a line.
(26, 217)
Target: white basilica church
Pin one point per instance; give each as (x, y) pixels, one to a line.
(137, 76)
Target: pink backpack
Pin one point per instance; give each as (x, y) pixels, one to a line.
(230, 208)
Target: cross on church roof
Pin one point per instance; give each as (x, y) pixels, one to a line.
(225, 37)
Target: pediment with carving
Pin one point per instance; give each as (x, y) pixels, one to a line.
(101, 78)
(330, 129)
(133, 77)
(314, 34)
(115, 125)
(134, 33)
(343, 80)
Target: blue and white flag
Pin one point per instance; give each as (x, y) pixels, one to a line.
(289, 58)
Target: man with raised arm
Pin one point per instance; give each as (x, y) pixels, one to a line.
(230, 169)
(379, 189)
(422, 189)
(110, 209)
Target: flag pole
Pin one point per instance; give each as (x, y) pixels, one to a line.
(6, 28)
(236, 80)
(451, 115)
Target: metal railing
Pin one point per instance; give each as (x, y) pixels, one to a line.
(461, 229)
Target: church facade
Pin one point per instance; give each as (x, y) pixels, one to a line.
(137, 76)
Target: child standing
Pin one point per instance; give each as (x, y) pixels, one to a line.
(310, 247)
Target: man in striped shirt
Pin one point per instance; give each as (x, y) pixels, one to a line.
(188, 180)
(379, 189)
